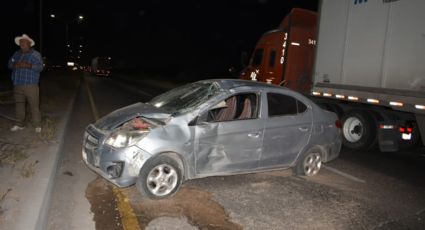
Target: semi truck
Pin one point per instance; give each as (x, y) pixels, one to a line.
(367, 68)
(285, 56)
(101, 66)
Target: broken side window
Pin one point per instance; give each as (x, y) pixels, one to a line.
(237, 107)
(281, 105)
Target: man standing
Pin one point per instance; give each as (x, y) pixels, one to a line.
(26, 65)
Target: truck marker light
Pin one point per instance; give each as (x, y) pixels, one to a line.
(327, 95)
(386, 126)
(396, 103)
(340, 96)
(373, 101)
(352, 98)
(316, 93)
(295, 43)
(422, 107)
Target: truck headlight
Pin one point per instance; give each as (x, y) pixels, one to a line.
(124, 138)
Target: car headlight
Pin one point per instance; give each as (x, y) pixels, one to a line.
(124, 138)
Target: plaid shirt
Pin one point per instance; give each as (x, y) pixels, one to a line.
(26, 76)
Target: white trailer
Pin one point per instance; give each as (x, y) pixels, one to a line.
(370, 69)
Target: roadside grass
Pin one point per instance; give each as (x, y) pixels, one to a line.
(28, 169)
(11, 153)
(49, 127)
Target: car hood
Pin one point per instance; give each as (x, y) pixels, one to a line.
(119, 116)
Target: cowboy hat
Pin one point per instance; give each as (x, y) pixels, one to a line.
(24, 36)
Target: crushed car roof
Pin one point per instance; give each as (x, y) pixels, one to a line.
(234, 83)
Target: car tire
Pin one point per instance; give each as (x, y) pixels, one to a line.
(159, 178)
(309, 163)
(358, 130)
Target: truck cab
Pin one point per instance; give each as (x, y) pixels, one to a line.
(285, 56)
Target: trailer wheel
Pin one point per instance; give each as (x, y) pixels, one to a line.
(358, 130)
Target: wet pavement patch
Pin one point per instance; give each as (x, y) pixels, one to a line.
(196, 205)
(103, 205)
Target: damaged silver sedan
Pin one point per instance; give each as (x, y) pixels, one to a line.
(210, 128)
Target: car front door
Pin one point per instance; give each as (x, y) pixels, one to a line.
(231, 142)
(287, 130)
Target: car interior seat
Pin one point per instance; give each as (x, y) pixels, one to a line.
(247, 109)
(229, 112)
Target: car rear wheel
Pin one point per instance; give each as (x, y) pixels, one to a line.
(159, 178)
(358, 130)
(310, 163)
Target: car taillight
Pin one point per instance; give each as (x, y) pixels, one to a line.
(338, 124)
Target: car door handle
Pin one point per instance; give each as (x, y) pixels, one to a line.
(254, 135)
(303, 129)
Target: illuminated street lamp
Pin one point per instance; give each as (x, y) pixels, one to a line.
(78, 19)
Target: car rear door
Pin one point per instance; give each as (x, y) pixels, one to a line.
(287, 129)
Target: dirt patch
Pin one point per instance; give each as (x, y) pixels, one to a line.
(103, 205)
(196, 205)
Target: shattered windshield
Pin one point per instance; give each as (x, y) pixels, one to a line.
(187, 97)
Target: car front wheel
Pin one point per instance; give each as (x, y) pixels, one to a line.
(159, 178)
(310, 163)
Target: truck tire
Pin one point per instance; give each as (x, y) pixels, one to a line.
(159, 178)
(358, 130)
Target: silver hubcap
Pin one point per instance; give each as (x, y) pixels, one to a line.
(353, 129)
(162, 180)
(312, 164)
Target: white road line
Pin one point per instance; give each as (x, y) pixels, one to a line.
(346, 175)
(92, 104)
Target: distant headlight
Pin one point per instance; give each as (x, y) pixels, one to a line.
(124, 138)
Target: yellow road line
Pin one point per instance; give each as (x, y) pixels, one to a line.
(128, 217)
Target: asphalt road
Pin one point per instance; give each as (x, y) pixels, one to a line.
(359, 190)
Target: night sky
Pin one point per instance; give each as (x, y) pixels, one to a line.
(162, 36)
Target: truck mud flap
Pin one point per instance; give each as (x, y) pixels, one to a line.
(388, 140)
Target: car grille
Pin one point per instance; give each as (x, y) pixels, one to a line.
(91, 145)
